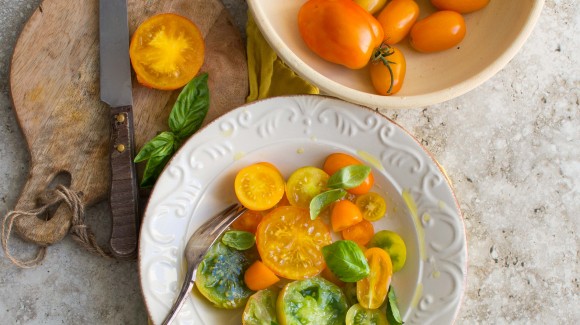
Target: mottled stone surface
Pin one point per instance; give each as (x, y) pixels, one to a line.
(511, 148)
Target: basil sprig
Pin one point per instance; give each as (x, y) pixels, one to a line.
(239, 240)
(346, 260)
(185, 119)
(393, 314)
(349, 177)
(344, 179)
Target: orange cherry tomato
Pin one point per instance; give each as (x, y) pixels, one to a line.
(259, 187)
(167, 51)
(258, 276)
(372, 290)
(248, 221)
(344, 214)
(328, 275)
(336, 161)
(397, 18)
(361, 233)
(461, 6)
(339, 31)
(439, 31)
(388, 68)
(290, 243)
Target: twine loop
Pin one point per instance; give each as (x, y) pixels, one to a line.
(80, 232)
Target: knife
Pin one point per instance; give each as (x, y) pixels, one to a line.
(115, 88)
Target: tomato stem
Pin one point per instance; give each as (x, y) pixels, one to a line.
(381, 54)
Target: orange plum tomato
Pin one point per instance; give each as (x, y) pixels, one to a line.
(439, 31)
(461, 6)
(339, 31)
(397, 18)
(336, 161)
(387, 69)
(344, 214)
(372, 290)
(290, 243)
(259, 187)
(372, 6)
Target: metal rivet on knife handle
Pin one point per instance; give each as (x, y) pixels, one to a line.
(120, 147)
(120, 118)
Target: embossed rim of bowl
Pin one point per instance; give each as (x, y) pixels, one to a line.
(330, 87)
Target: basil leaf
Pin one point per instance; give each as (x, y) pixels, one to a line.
(240, 240)
(190, 107)
(157, 152)
(393, 314)
(349, 176)
(322, 200)
(346, 260)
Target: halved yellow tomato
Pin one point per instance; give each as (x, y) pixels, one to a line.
(372, 290)
(290, 243)
(372, 206)
(167, 51)
(259, 187)
(304, 184)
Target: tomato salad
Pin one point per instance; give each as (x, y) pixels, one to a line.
(279, 260)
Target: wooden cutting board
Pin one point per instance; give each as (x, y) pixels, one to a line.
(54, 81)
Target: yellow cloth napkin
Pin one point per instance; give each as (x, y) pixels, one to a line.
(267, 74)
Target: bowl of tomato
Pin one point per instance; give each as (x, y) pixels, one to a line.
(336, 191)
(400, 53)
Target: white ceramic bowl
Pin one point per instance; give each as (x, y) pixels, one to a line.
(494, 35)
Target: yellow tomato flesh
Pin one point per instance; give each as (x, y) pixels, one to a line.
(166, 51)
(290, 243)
(372, 290)
(259, 187)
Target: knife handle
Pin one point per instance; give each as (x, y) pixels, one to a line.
(123, 198)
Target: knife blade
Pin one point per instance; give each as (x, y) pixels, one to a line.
(116, 91)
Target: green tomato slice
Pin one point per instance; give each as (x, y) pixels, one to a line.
(311, 301)
(261, 308)
(304, 184)
(220, 276)
(391, 242)
(357, 315)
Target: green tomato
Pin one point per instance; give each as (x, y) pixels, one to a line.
(391, 242)
(220, 276)
(357, 315)
(372, 6)
(261, 308)
(311, 301)
(349, 290)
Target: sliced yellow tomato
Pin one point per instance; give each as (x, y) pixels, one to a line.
(290, 243)
(167, 51)
(372, 290)
(372, 206)
(259, 187)
(304, 184)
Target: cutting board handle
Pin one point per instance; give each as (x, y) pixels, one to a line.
(123, 198)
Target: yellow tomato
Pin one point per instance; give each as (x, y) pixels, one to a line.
(167, 51)
(304, 184)
(290, 243)
(259, 187)
(372, 6)
(372, 206)
(372, 290)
